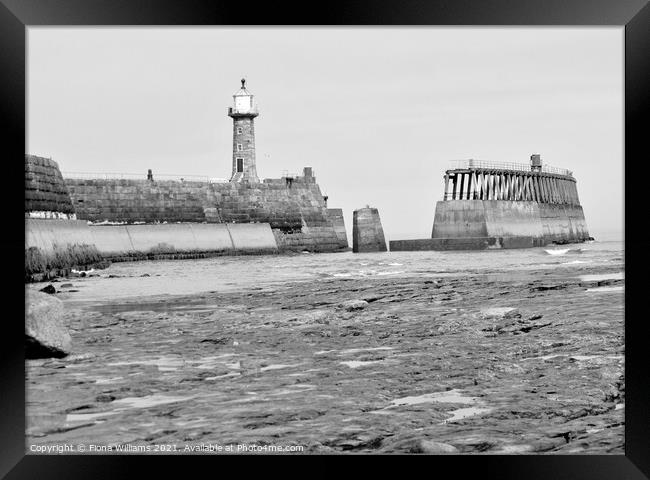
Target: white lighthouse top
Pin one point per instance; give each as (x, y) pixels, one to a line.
(243, 99)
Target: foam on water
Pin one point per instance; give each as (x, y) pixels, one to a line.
(562, 251)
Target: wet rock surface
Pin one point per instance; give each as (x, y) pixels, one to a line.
(46, 334)
(475, 364)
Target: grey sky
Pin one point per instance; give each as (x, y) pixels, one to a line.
(377, 112)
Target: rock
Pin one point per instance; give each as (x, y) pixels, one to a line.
(103, 398)
(352, 305)
(429, 446)
(318, 316)
(66, 285)
(500, 312)
(145, 275)
(49, 289)
(422, 445)
(45, 334)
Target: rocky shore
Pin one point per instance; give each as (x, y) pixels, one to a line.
(503, 363)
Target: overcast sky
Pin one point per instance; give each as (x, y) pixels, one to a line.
(377, 112)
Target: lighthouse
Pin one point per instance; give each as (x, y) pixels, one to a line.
(243, 113)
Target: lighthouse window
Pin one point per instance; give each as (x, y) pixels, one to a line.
(240, 147)
(240, 164)
(240, 130)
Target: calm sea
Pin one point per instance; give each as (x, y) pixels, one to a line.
(181, 277)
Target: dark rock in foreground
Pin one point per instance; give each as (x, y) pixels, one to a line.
(45, 334)
(49, 289)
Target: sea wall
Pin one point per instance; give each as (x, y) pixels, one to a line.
(367, 232)
(563, 223)
(131, 242)
(55, 242)
(484, 224)
(294, 208)
(55, 246)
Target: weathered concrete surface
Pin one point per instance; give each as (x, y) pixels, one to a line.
(45, 333)
(112, 240)
(481, 364)
(336, 216)
(123, 240)
(367, 232)
(483, 224)
(44, 234)
(252, 236)
(54, 246)
(212, 236)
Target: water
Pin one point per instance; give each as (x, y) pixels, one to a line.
(184, 277)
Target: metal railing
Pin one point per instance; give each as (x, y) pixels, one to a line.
(142, 176)
(243, 111)
(287, 174)
(489, 165)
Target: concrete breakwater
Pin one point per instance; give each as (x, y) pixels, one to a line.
(132, 242)
(55, 242)
(55, 247)
(490, 206)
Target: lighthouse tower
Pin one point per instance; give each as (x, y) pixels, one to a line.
(243, 137)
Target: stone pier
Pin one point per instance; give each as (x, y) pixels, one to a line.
(367, 233)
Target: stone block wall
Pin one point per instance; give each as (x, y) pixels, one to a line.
(45, 189)
(296, 208)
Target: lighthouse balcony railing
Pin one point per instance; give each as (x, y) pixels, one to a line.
(242, 111)
(489, 165)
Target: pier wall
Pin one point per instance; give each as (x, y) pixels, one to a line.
(294, 209)
(55, 242)
(45, 189)
(123, 242)
(336, 217)
(486, 224)
(55, 246)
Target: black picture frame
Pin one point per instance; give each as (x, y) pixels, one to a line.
(634, 15)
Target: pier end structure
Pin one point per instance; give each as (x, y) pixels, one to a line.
(504, 205)
(367, 232)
